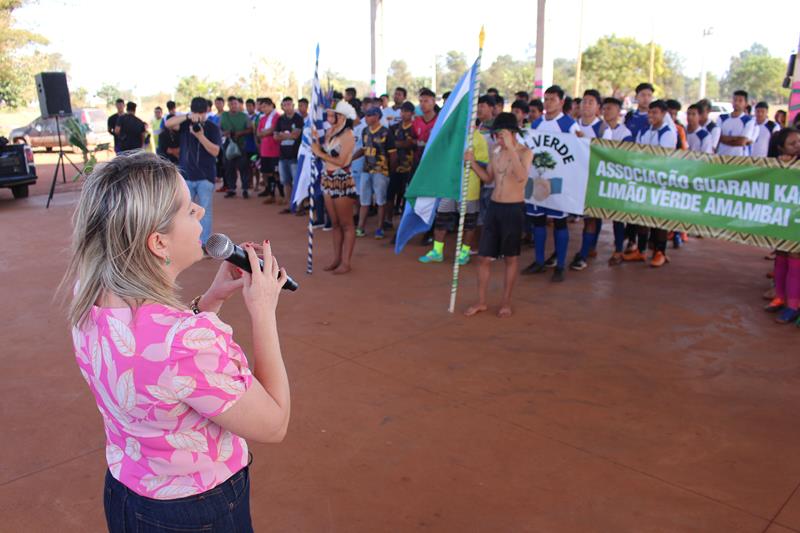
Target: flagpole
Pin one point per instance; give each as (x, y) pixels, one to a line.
(314, 175)
(462, 211)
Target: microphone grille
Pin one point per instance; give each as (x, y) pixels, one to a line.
(219, 246)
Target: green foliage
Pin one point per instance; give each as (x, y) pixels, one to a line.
(543, 161)
(508, 76)
(16, 70)
(110, 92)
(758, 73)
(450, 70)
(399, 76)
(77, 137)
(564, 72)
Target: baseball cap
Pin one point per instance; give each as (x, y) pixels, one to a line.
(374, 111)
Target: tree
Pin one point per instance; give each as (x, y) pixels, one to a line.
(757, 72)
(190, 86)
(399, 76)
(563, 72)
(79, 97)
(109, 93)
(15, 75)
(615, 65)
(508, 76)
(449, 72)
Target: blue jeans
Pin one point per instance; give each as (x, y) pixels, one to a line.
(202, 193)
(287, 168)
(226, 507)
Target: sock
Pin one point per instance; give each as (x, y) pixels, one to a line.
(599, 223)
(793, 283)
(438, 247)
(586, 244)
(780, 274)
(619, 236)
(540, 239)
(562, 242)
(466, 249)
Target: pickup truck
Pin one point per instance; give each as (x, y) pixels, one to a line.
(17, 170)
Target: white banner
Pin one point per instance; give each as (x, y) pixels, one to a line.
(559, 172)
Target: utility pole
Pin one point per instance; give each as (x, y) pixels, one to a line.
(577, 88)
(376, 47)
(544, 63)
(706, 32)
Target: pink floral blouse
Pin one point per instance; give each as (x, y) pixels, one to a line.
(158, 376)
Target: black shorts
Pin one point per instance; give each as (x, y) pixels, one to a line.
(269, 165)
(502, 230)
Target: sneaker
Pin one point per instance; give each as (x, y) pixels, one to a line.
(230, 194)
(676, 241)
(551, 261)
(787, 316)
(318, 226)
(463, 257)
(245, 194)
(379, 233)
(579, 263)
(360, 232)
(327, 227)
(658, 260)
(634, 255)
(534, 268)
(775, 305)
(432, 257)
(558, 275)
(222, 189)
(615, 259)
(265, 194)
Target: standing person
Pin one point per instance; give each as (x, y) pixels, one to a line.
(697, 137)
(704, 108)
(780, 118)
(521, 110)
(112, 123)
(251, 148)
(423, 124)
(400, 97)
(214, 116)
(270, 151)
(637, 120)
(156, 123)
(508, 168)
(499, 105)
(338, 186)
(553, 120)
(200, 141)
(290, 129)
(535, 110)
(130, 130)
(350, 95)
(613, 130)
(590, 126)
(522, 96)
(736, 129)
(404, 141)
(378, 151)
(764, 130)
(661, 133)
(673, 107)
(302, 108)
(235, 126)
(575, 109)
(785, 145)
(177, 409)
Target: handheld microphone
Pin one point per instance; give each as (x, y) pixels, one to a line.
(219, 246)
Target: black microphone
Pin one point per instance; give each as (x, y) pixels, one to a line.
(219, 246)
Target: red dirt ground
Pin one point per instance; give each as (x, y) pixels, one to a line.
(623, 400)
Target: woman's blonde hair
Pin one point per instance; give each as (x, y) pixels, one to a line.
(122, 203)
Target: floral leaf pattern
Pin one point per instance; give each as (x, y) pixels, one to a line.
(159, 376)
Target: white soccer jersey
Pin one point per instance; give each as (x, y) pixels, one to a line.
(763, 133)
(741, 126)
(620, 133)
(700, 140)
(665, 136)
(553, 125)
(715, 131)
(590, 130)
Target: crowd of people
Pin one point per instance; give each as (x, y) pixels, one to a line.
(371, 147)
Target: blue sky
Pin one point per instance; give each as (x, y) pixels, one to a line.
(221, 40)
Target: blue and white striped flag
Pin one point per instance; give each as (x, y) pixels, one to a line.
(309, 168)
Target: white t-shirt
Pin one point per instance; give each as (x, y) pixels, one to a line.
(665, 136)
(391, 115)
(620, 133)
(713, 128)
(741, 126)
(589, 130)
(760, 145)
(552, 126)
(700, 140)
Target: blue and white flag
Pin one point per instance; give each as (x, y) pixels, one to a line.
(309, 168)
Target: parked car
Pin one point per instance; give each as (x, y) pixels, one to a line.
(720, 108)
(17, 170)
(41, 133)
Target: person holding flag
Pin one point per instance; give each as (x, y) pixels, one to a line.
(338, 185)
(509, 164)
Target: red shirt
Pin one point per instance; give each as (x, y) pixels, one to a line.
(269, 146)
(422, 130)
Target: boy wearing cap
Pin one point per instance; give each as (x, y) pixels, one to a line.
(509, 164)
(378, 147)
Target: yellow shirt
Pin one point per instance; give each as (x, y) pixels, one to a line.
(481, 150)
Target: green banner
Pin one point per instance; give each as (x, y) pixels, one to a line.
(752, 200)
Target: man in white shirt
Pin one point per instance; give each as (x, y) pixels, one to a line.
(737, 130)
(703, 109)
(697, 137)
(660, 133)
(764, 129)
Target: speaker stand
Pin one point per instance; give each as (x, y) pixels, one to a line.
(60, 165)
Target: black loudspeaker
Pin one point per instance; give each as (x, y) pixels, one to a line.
(53, 94)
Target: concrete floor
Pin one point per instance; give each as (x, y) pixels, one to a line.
(623, 400)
